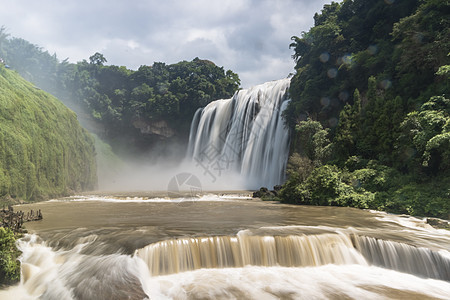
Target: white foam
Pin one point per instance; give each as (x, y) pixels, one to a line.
(325, 282)
(194, 198)
(112, 199)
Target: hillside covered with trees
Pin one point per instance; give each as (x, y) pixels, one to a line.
(136, 108)
(370, 109)
(44, 152)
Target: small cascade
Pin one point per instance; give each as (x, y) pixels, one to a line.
(180, 255)
(187, 254)
(47, 273)
(404, 258)
(303, 266)
(245, 134)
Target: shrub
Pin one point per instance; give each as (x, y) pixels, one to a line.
(9, 264)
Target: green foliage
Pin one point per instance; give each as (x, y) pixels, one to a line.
(9, 263)
(444, 71)
(400, 43)
(429, 198)
(97, 59)
(344, 142)
(299, 167)
(423, 40)
(373, 186)
(312, 141)
(392, 138)
(326, 185)
(44, 152)
(113, 98)
(425, 134)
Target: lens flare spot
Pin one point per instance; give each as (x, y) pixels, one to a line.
(325, 101)
(332, 73)
(324, 57)
(343, 96)
(372, 49)
(333, 122)
(385, 84)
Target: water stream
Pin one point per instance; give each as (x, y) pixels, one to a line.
(226, 246)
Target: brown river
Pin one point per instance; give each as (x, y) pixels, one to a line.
(226, 246)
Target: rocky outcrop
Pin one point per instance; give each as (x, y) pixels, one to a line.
(265, 193)
(14, 220)
(438, 223)
(160, 128)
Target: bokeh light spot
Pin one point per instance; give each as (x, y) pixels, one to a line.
(372, 49)
(332, 73)
(324, 57)
(325, 101)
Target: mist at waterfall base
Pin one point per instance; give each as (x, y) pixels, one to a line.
(234, 144)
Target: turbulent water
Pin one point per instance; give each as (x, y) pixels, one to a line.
(226, 247)
(245, 134)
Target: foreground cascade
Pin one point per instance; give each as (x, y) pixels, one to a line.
(245, 134)
(187, 254)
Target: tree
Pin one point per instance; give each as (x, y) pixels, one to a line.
(344, 140)
(426, 135)
(368, 139)
(3, 39)
(97, 59)
(312, 141)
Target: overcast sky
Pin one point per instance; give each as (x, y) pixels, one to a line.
(250, 37)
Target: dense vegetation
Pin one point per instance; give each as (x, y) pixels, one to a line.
(9, 264)
(123, 106)
(43, 150)
(370, 108)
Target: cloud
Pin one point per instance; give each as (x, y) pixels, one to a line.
(250, 37)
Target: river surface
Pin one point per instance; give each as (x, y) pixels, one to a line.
(226, 246)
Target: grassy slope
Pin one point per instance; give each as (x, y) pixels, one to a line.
(43, 150)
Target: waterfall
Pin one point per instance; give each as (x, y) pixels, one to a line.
(245, 134)
(404, 258)
(188, 254)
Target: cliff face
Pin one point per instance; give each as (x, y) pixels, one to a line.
(44, 152)
(159, 128)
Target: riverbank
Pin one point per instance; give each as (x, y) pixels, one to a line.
(12, 229)
(396, 207)
(14, 220)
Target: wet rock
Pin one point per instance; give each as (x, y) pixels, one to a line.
(438, 223)
(14, 220)
(265, 193)
(262, 192)
(277, 188)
